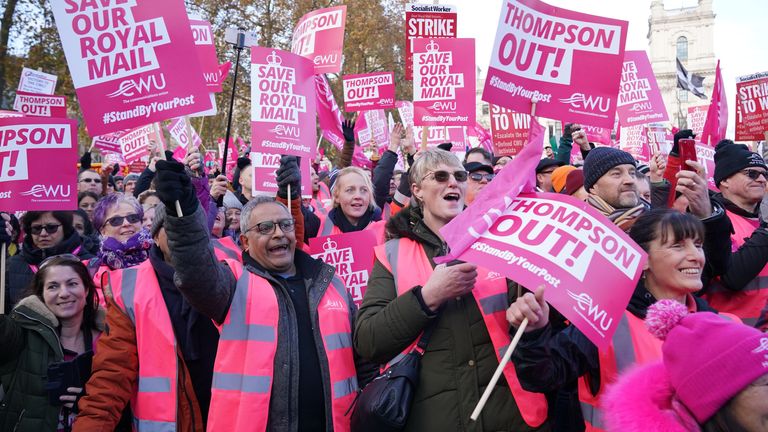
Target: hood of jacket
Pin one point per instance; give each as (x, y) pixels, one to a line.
(643, 399)
(409, 223)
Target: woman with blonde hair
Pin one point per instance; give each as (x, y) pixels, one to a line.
(353, 205)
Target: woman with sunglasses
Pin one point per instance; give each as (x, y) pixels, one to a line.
(124, 241)
(408, 294)
(46, 234)
(56, 323)
(353, 205)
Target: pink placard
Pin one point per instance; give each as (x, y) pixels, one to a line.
(509, 129)
(369, 91)
(444, 82)
(659, 139)
(697, 115)
(373, 127)
(598, 135)
(752, 107)
(352, 256)
(264, 181)
(37, 82)
(633, 140)
(569, 61)
(589, 266)
(136, 143)
(178, 130)
(640, 100)
(38, 105)
(283, 106)
(319, 36)
(231, 157)
(10, 114)
(705, 155)
(109, 143)
(426, 21)
(202, 33)
(37, 164)
(132, 63)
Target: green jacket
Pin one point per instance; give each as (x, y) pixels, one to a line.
(459, 360)
(30, 343)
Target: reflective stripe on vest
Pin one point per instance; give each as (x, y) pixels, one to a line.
(631, 344)
(327, 227)
(226, 248)
(244, 367)
(747, 303)
(154, 401)
(410, 266)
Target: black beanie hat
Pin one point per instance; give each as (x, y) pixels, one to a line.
(600, 160)
(243, 162)
(731, 158)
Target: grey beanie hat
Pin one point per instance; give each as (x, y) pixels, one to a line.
(600, 160)
(159, 219)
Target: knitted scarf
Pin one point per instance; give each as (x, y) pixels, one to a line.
(624, 218)
(134, 251)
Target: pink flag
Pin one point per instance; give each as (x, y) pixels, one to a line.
(330, 118)
(483, 136)
(717, 116)
(516, 177)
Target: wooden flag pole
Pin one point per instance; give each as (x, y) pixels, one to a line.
(499, 370)
(424, 133)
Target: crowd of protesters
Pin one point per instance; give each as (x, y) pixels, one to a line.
(187, 302)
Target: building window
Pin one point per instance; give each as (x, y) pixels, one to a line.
(486, 110)
(682, 94)
(682, 48)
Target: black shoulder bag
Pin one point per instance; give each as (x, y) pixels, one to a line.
(384, 404)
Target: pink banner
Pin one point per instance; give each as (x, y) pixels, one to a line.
(433, 21)
(282, 104)
(444, 82)
(598, 135)
(752, 107)
(38, 105)
(352, 256)
(369, 91)
(510, 131)
(178, 130)
(640, 100)
(37, 164)
(126, 58)
(202, 33)
(633, 140)
(319, 36)
(136, 143)
(264, 181)
(589, 266)
(569, 61)
(231, 157)
(109, 143)
(696, 117)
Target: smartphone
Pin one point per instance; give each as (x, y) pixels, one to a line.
(687, 149)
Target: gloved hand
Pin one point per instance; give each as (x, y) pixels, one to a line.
(569, 129)
(173, 185)
(116, 169)
(85, 161)
(348, 127)
(681, 134)
(288, 174)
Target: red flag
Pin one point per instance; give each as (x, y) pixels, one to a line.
(516, 177)
(717, 116)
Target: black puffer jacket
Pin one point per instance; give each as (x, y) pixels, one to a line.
(19, 273)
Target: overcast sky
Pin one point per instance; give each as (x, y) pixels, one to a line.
(740, 31)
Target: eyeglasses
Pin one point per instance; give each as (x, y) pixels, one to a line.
(48, 228)
(268, 227)
(477, 176)
(443, 176)
(68, 257)
(755, 174)
(118, 220)
(91, 180)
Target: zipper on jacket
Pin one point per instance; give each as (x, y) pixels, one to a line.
(61, 350)
(18, 421)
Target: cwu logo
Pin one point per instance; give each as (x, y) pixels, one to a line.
(139, 86)
(49, 191)
(591, 311)
(592, 103)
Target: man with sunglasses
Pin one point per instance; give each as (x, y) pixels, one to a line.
(90, 181)
(741, 175)
(285, 359)
(480, 175)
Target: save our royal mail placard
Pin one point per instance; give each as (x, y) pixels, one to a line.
(283, 106)
(32, 151)
(352, 256)
(365, 92)
(570, 62)
(444, 82)
(126, 58)
(640, 100)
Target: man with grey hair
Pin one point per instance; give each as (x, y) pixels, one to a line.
(285, 319)
(143, 303)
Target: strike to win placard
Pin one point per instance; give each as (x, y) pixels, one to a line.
(32, 151)
(568, 61)
(426, 21)
(125, 58)
(752, 107)
(509, 130)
